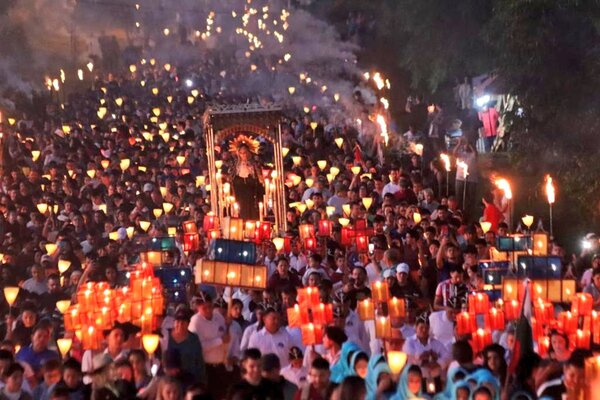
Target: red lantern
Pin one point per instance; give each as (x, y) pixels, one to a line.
(297, 316)
(191, 242)
(479, 303)
(306, 231)
(582, 304)
(544, 312)
(311, 334)
(595, 328)
(346, 236)
(308, 297)
(360, 224)
(496, 319)
(310, 244)
(190, 227)
(511, 310)
(322, 314)
(379, 291)
(582, 339)
(287, 244)
(362, 244)
(210, 222)
(466, 323)
(567, 322)
(264, 231)
(325, 227)
(481, 339)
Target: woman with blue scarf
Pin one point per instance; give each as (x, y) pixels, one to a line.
(411, 384)
(378, 379)
(353, 361)
(454, 378)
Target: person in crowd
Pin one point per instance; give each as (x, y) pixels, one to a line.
(13, 379)
(318, 387)
(295, 372)
(271, 371)
(37, 353)
(187, 343)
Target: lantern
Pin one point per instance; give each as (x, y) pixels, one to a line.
(325, 228)
(511, 310)
(544, 312)
(397, 308)
(311, 334)
(264, 231)
(50, 248)
(367, 202)
(582, 304)
(396, 360)
(481, 339)
(540, 244)
(339, 141)
(383, 328)
(10, 294)
(379, 291)
(250, 230)
(466, 323)
(308, 297)
(496, 319)
(323, 314)
(233, 228)
(485, 226)
(63, 305)
(479, 303)
(582, 339)
(362, 244)
(42, 208)
(509, 289)
(347, 208)
(366, 310)
(306, 231)
(567, 322)
(64, 345)
(310, 244)
(191, 241)
(279, 243)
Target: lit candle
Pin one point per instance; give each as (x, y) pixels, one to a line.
(383, 328)
(379, 291)
(366, 310)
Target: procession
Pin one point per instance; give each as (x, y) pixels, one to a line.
(228, 201)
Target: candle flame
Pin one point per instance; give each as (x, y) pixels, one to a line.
(446, 159)
(550, 191)
(504, 185)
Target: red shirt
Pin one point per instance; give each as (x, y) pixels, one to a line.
(492, 214)
(489, 118)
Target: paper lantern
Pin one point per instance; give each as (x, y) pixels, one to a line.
(278, 242)
(233, 228)
(145, 225)
(396, 360)
(64, 345)
(157, 212)
(367, 202)
(250, 229)
(264, 231)
(496, 319)
(325, 228)
(63, 305)
(485, 226)
(167, 207)
(397, 308)
(190, 227)
(311, 334)
(153, 258)
(595, 327)
(35, 154)
(42, 208)
(339, 141)
(582, 304)
(346, 208)
(366, 310)
(479, 303)
(362, 244)
(509, 289)
(582, 339)
(124, 163)
(306, 231)
(356, 170)
(383, 328)
(322, 314)
(466, 323)
(10, 294)
(540, 244)
(379, 291)
(544, 312)
(191, 241)
(308, 297)
(51, 248)
(297, 316)
(322, 164)
(567, 322)
(481, 339)
(527, 221)
(210, 222)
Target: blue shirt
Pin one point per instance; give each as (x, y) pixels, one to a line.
(36, 360)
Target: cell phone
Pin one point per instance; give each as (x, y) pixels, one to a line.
(371, 248)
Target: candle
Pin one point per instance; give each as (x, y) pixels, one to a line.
(325, 228)
(397, 307)
(481, 339)
(306, 231)
(582, 339)
(496, 319)
(567, 322)
(582, 304)
(379, 291)
(366, 310)
(511, 310)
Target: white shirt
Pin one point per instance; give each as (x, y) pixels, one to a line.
(245, 298)
(375, 344)
(297, 376)
(87, 362)
(296, 335)
(414, 348)
(442, 328)
(390, 187)
(248, 332)
(235, 334)
(271, 266)
(278, 343)
(210, 332)
(372, 274)
(586, 278)
(35, 286)
(298, 262)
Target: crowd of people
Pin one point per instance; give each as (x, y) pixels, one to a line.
(234, 343)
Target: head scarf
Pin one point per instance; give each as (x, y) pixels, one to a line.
(345, 367)
(449, 392)
(402, 391)
(377, 366)
(484, 377)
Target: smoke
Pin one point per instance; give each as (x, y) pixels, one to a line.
(257, 50)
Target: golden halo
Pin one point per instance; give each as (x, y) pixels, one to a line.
(252, 144)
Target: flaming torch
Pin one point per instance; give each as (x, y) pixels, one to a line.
(504, 185)
(551, 195)
(446, 159)
(465, 168)
(383, 126)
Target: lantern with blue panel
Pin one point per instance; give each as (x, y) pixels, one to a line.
(535, 267)
(174, 281)
(492, 273)
(513, 243)
(233, 251)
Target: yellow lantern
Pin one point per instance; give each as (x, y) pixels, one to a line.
(105, 163)
(155, 91)
(356, 169)
(322, 164)
(132, 68)
(124, 163)
(165, 136)
(339, 142)
(10, 293)
(309, 203)
(119, 101)
(169, 99)
(42, 207)
(334, 171)
(171, 230)
(150, 342)
(346, 208)
(113, 235)
(63, 266)
(313, 125)
(330, 210)
(145, 225)
(291, 90)
(301, 208)
(195, 92)
(63, 305)
(102, 207)
(64, 345)
(343, 222)
(157, 212)
(296, 179)
(91, 173)
(156, 111)
(485, 226)
(367, 202)
(180, 160)
(417, 217)
(527, 220)
(396, 361)
(167, 207)
(296, 160)
(309, 182)
(330, 178)
(35, 154)
(129, 231)
(190, 100)
(284, 151)
(278, 242)
(50, 248)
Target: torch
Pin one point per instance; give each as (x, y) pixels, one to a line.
(465, 168)
(503, 185)
(551, 195)
(446, 159)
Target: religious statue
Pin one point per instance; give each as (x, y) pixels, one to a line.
(247, 180)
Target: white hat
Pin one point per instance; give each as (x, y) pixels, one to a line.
(402, 267)
(148, 187)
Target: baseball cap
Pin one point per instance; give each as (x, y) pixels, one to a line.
(402, 267)
(148, 187)
(388, 273)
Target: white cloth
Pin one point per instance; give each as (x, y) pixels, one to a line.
(372, 274)
(376, 345)
(271, 266)
(297, 376)
(356, 331)
(35, 286)
(210, 332)
(235, 334)
(442, 328)
(390, 187)
(245, 298)
(248, 332)
(414, 348)
(87, 362)
(278, 343)
(298, 262)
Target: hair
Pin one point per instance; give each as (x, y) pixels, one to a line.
(138, 352)
(596, 271)
(352, 387)
(320, 363)
(462, 352)
(52, 365)
(166, 381)
(251, 354)
(336, 334)
(12, 368)
(415, 369)
(59, 393)
(6, 355)
(71, 363)
(577, 358)
(499, 350)
(526, 365)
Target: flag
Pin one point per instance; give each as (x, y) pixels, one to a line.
(523, 332)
